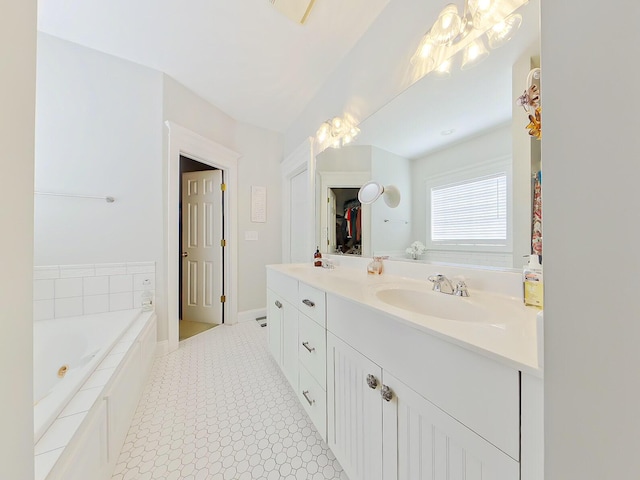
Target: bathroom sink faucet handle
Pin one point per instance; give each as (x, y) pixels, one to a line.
(461, 289)
(441, 284)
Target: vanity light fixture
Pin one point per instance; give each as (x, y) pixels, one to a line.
(452, 32)
(336, 132)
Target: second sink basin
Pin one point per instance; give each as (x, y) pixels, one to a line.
(424, 301)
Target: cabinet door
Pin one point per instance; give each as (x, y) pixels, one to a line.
(421, 442)
(275, 315)
(354, 411)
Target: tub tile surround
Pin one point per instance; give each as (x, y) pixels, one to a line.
(51, 445)
(69, 290)
(219, 408)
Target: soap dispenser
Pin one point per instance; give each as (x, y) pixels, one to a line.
(317, 258)
(532, 282)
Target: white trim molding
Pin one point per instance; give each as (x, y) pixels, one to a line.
(251, 314)
(181, 141)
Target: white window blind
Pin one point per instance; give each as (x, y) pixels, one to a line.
(471, 212)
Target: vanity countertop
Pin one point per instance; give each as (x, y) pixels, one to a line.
(509, 335)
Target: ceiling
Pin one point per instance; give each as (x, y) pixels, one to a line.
(244, 57)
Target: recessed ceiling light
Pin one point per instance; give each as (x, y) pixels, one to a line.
(447, 132)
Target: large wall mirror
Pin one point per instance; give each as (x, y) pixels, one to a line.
(460, 137)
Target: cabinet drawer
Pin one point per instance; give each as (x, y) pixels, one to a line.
(311, 302)
(312, 348)
(283, 285)
(314, 400)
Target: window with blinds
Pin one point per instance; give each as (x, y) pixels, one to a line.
(472, 212)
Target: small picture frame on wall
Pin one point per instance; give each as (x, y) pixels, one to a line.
(258, 204)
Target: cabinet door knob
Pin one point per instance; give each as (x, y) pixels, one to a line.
(278, 304)
(306, 345)
(305, 393)
(386, 392)
(308, 303)
(372, 381)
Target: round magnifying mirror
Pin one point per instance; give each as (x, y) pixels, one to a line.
(370, 192)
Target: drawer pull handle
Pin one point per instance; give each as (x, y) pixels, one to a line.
(305, 393)
(387, 393)
(308, 303)
(278, 304)
(306, 345)
(372, 381)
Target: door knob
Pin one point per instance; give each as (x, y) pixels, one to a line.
(185, 254)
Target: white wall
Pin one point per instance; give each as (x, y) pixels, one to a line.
(98, 132)
(17, 97)
(391, 237)
(260, 165)
(591, 232)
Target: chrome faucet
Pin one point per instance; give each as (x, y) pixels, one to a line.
(443, 285)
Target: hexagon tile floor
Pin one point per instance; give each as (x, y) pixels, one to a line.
(219, 409)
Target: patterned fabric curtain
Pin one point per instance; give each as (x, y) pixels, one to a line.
(536, 225)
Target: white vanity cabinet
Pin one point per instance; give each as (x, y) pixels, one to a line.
(394, 400)
(403, 405)
(297, 340)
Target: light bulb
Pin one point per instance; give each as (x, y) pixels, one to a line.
(323, 132)
(426, 50)
(484, 13)
(504, 31)
(425, 53)
(337, 122)
(447, 27)
(473, 54)
(483, 5)
(444, 69)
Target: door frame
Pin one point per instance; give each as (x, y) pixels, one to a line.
(181, 141)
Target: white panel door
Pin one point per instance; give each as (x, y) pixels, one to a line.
(201, 247)
(354, 411)
(299, 211)
(421, 442)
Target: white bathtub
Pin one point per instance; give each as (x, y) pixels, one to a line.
(107, 358)
(78, 343)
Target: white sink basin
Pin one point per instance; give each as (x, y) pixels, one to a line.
(424, 301)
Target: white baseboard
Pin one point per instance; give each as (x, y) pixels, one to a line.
(162, 348)
(251, 314)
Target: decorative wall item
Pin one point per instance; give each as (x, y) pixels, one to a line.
(258, 204)
(531, 103)
(536, 224)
